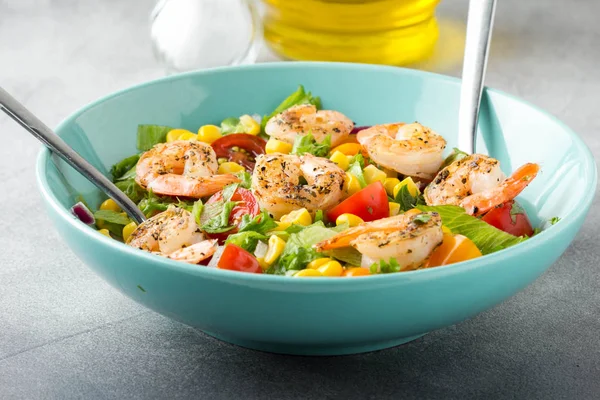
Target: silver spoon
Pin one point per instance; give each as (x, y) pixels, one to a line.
(479, 34)
(37, 128)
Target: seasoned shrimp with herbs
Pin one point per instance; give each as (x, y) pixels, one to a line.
(301, 192)
(181, 168)
(477, 184)
(409, 238)
(305, 118)
(409, 149)
(283, 183)
(173, 234)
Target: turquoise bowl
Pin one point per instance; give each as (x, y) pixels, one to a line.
(322, 316)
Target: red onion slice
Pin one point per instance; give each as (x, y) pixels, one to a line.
(83, 214)
(358, 129)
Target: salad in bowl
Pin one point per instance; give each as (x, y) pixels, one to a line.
(303, 192)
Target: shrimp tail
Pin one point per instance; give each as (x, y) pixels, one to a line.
(480, 203)
(195, 253)
(180, 185)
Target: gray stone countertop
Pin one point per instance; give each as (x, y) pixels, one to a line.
(66, 334)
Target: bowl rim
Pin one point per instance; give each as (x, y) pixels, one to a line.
(582, 206)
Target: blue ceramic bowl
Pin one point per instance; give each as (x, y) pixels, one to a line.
(322, 316)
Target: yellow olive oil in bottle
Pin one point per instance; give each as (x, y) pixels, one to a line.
(393, 32)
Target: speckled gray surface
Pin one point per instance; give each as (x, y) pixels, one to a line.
(65, 334)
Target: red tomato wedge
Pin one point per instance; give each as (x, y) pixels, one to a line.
(511, 218)
(370, 203)
(253, 145)
(235, 258)
(247, 204)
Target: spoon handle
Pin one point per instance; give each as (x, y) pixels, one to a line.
(479, 33)
(30, 122)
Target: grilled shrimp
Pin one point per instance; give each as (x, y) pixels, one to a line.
(410, 238)
(174, 234)
(181, 168)
(303, 119)
(410, 149)
(477, 184)
(277, 187)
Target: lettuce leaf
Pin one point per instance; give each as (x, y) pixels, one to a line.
(197, 210)
(245, 179)
(298, 97)
(131, 189)
(112, 216)
(298, 250)
(487, 238)
(357, 163)
(406, 200)
(150, 135)
(152, 203)
(246, 240)
(220, 222)
(308, 144)
(454, 156)
(124, 167)
(262, 223)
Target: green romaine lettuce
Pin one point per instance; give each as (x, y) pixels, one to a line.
(131, 189)
(124, 167)
(308, 144)
(246, 240)
(298, 97)
(150, 135)
(454, 156)
(357, 163)
(486, 237)
(262, 223)
(112, 216)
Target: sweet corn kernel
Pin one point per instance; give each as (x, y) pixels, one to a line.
(331, 268)
(410, 184)
(394, 208)
(110, 205)
(390, 184)
(349, 149)
(251, 126)
(350, 219)
(351, 184)
(314, 264)
(179, 134)
(390, 173)
(305, 273)
(230, 167)
(277, 146)
(340, 159)
(356, 271)
(276, 245)
(128, 230)
(373, 174)
(209, 133)
(188, 136)
(174, 134)
(296, 217)
(105, 232)
(445, 229)
(262, 263)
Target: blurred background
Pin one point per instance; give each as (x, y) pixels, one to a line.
(83, 48)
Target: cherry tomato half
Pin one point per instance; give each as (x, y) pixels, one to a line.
(511, 218)
(253, 145)
(247, 204)
(237, 259)
(370, 203)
